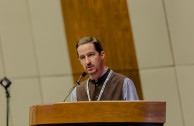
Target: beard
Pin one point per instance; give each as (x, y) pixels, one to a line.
(93, 72)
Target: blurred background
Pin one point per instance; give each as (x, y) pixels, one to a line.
(150, 41)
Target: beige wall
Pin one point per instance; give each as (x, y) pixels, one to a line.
(33, 54)
(163, 35)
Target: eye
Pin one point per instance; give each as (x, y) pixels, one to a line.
(91, 54)
(81, 57)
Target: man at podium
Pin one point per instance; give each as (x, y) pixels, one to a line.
(103, 83)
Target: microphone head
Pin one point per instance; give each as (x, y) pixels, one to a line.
(83, 74)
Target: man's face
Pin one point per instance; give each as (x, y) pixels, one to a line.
(90, 59)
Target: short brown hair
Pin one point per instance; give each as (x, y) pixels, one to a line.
(97, 44)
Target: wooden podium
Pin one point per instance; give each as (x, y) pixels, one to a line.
(111, 113)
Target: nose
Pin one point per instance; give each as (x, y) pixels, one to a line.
(87, 60)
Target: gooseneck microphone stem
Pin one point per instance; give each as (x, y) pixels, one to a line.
(77, 83)
(7, 99)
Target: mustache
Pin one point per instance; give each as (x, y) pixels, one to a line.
(89, 65)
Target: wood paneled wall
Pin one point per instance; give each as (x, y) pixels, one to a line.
(108, 21)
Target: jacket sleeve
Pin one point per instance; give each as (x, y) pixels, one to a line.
(74, 95)
(129, 90)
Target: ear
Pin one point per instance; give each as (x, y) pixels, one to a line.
(102, 54)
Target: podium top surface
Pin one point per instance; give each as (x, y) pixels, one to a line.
(103, 111)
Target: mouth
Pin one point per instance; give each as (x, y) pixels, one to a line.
(89, 68)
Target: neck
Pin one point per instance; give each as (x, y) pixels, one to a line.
(98, 74)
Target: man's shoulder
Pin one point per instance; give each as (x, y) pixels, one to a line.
(115, 74)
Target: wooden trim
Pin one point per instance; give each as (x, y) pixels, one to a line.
(92, 112)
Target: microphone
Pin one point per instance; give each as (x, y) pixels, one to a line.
(81, 76)
(77, 83)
